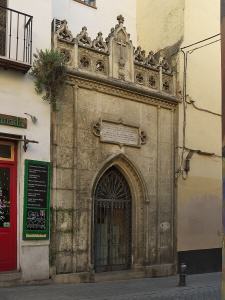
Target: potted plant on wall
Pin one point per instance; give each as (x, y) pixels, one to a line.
(49, 72)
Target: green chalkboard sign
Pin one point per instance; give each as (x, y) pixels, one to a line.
(36, 200)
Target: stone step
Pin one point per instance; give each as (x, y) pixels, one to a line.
(10, 278)
(118, 275)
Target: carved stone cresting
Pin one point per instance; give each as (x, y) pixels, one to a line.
(120, 19)
(83, 39)
(64, 34)
(115, 57)
(151, 60)
(165, 66)
(119, 133)
(120, 52)
(139, 56)
(110, 34)
(99, 44)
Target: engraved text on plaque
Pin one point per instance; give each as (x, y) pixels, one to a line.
(119, 134)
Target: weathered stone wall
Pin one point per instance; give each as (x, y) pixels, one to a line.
(110, 82)
(80, 159)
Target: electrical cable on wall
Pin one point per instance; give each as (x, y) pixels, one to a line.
(180, 170)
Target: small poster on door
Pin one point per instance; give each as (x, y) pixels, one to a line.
(36, 200)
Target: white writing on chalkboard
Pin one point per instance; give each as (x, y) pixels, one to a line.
(37, 197)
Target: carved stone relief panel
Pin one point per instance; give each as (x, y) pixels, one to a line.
(85, 60)
(167, 83)
(147, 77)
(92, 61)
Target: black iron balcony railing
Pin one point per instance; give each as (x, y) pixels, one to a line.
(15, 36)
(91, 3)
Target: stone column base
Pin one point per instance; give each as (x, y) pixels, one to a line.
(160, 270)
(84, 277)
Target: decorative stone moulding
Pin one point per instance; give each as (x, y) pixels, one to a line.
(119, 133)
(114, 57)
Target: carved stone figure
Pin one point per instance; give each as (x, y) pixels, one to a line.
(63, 33)
(151, 61)
(165, 66)
(139, 55)
(99, 44)
(83, 39)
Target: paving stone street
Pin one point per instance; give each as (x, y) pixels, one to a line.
(199, 287)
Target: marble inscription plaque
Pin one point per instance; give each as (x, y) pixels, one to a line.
(119, 134)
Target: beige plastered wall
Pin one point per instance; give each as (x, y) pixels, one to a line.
(199, 198)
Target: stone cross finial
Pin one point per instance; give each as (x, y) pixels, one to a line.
(120, 19)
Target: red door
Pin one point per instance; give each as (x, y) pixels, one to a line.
(8, 211)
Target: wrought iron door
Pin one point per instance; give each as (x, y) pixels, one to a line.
(112, 239)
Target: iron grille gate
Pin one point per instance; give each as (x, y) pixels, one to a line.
(112, 209)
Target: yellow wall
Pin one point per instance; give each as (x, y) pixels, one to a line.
(160, 24)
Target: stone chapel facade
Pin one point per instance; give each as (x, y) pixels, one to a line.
(113, 152)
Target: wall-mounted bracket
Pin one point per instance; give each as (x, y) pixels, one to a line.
(26, 142)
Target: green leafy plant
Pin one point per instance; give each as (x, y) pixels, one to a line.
(49, 72)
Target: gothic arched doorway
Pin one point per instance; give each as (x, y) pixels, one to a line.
(112, 222)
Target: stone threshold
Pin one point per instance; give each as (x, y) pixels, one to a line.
(119, 275)
(86, 277)
(10, 278)
(14, 278)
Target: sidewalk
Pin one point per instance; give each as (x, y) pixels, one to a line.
(199, 287)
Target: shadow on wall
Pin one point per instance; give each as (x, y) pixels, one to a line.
(201, 261)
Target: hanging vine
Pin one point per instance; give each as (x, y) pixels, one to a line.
(49, 72)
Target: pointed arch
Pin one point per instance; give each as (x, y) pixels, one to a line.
(127, 168)
(139, 195)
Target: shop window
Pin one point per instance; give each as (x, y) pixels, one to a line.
(6, 151)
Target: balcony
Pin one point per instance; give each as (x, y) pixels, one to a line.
(15, 39)
(91, 3)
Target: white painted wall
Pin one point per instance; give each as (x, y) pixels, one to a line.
(17, 96)
(101, 19)
(159, 23)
